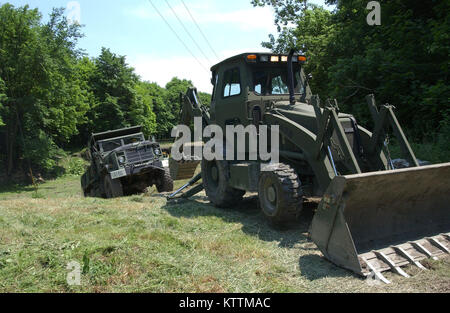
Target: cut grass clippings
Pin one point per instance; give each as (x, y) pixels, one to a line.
(143, 243)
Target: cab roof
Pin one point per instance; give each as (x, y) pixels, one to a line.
(116, 133)
(243, 56)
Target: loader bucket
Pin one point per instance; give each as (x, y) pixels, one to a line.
(182, 170)
(186, 168)
(372, 222)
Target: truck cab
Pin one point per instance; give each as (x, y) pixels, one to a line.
(123, 162)
(240, 80)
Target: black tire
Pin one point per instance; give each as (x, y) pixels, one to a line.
(92, 193)
(113, 187)
(96, 192)
(166, 182)
(215, 176)
(280, 194)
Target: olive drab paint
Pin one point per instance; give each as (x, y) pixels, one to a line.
(360, 224)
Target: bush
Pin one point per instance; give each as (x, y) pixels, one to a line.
(73, 165)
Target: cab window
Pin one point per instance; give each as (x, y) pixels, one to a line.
(231, 83)
(133, 139)
(108, 146)
(273, 81)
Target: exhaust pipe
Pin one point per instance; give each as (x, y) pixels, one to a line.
(291, 78)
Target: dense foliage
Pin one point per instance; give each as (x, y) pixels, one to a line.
(53, 96)
(404, 61)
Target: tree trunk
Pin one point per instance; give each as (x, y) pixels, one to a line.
(11, 136)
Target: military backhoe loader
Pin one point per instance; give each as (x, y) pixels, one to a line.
(371, 217)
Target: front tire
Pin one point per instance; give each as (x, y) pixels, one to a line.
(280, 194)
(113, 187)
(215, 176)
(166, 182)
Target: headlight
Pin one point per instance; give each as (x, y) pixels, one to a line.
(157, 151)
(121, 159)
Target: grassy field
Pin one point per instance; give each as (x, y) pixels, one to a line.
(146, 244)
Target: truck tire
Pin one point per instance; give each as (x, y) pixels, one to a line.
(215, 176)
(280, 194)
(113, 187)
(166, 182)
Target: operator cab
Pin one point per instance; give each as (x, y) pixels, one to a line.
(250, 75)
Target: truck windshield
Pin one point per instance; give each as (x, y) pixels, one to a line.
(273, 81)
(133, 139)
(108, 146)
(112, 144)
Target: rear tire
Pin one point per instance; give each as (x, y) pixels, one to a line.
(215, 176)
(113, 187)
(166, 182)
(280, 194)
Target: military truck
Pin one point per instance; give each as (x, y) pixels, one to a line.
(124, 163)
(371, 217)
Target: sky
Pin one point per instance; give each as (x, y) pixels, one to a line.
(135, 29)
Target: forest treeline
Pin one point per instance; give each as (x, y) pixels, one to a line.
(404, 61)
(53, 96)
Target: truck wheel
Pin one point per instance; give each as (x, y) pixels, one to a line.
(96, 192)
(215, 176)
(166, 182)
(93, 193)
(280, 194)
(113, 187)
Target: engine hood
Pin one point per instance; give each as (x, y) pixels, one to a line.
(302, 113)
(301, 108)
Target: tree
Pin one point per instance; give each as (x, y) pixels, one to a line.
(205, 98)
(403, 62)
(154, 96)
(119, 98)
(143, 113)
(37, 66)
(3, 99)
(172, 99)
(312, 35)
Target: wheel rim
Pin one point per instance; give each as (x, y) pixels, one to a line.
(213, 174)
(271, 194)
(269, 198)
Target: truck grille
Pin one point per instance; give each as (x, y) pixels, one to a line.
(139, 155)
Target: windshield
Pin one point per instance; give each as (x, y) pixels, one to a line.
(133, 139)
(112, 144)
(108, 146)
(273, 81)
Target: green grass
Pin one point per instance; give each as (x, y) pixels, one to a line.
(433, 152)
(145, 244)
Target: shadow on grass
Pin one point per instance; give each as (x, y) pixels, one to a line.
(16, 188)
(313, 267)
(249, 215)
